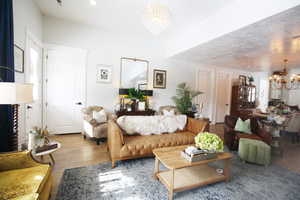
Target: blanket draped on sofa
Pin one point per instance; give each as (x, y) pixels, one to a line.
(148, 125)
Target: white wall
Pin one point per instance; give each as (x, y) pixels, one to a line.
(27, 16)
(107, 48)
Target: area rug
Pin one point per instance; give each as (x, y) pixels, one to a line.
(132, 180)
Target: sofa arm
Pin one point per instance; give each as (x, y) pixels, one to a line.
(17, 160)
(229, 136)
(115, 139)
(197, 125)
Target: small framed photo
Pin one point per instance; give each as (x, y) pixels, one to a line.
(104, 74)
(19, 59)
(242, 80)
(159, 78)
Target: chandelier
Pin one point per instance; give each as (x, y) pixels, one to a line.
(281, 80)
(156, 17)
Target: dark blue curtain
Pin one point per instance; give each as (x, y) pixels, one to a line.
(6, 60)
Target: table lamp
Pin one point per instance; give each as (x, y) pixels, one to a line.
(15, 94)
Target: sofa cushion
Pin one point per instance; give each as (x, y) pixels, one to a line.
(25, 183)
(143, 145)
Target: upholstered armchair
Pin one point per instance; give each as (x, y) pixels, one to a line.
(168, 108)
(232, 137)
(91, 128)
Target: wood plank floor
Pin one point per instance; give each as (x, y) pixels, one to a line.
(77, 152)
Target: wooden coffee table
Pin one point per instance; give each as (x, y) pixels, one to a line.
(183, 175)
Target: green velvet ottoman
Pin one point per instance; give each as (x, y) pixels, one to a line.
(254, 151)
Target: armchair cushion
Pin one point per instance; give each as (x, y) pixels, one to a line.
(99, 116)
(243, 126)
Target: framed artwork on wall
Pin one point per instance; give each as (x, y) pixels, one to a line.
(159, 78)
(104, 74)
(19, 59)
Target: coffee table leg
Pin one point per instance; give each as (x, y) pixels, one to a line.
(227, 169)
(172, 186)
(156, 167)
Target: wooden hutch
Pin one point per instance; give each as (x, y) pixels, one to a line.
(242, 100)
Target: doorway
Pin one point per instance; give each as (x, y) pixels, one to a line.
(65, 86)
(223, 91)
(34, 75)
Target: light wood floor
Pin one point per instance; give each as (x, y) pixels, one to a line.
(77, 152)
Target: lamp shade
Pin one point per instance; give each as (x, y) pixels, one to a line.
(15, 93)
(148, 93)
(123, 91)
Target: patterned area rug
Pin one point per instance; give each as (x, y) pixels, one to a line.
(132, 180)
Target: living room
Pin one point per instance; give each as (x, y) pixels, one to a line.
(94, 73)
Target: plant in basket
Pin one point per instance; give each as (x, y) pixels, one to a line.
(209, 141)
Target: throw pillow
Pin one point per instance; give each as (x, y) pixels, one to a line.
(100, 116)
(168, 113)
(243, 126)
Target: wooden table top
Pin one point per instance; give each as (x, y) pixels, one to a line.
(171, 158)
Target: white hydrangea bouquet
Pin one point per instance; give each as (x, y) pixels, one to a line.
(209, 141)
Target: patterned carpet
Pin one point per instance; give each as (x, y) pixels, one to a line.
(132, 180)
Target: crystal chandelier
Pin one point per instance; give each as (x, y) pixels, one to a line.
(156, 17)
(281, 80)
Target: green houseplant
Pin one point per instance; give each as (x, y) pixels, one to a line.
(184, 97)
(136, 94)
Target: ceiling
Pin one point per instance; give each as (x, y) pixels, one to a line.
(126, 15)
(261, 46)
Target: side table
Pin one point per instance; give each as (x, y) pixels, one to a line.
(48, 152)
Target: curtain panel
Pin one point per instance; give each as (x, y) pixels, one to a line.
(7, 136)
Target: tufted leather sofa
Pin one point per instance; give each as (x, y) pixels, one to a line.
(124, 147)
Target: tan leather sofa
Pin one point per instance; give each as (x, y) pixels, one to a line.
(124, 147)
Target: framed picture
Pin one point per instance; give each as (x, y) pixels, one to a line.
(159, 79)
(104, 74)
(242, 80)
(19, 59)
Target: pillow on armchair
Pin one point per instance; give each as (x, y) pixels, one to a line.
(100, 116)
(243, 126)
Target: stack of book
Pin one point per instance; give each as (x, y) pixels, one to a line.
(46, 147)
(192, 154)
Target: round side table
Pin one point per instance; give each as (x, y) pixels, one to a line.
(49, 152)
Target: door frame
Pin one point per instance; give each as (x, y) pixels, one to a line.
(47, 47)
(212, 88)
(30, 36)
(217, 96)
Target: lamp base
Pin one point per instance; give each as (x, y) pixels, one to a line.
(13, 139)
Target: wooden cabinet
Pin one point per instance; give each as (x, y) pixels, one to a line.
(242, 100)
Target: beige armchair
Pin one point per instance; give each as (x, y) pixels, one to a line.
(91, 128)
(168, 108)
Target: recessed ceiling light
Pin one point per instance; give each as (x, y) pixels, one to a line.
(93, 2)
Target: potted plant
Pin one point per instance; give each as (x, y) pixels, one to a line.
(135, 95)
(184, 97)
(38, 137)
(250, 80)
(210, 142)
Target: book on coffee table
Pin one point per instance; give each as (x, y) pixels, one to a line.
(46, 147)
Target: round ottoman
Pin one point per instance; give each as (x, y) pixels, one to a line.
(254, 151)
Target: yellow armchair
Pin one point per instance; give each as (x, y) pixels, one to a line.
(23, 178)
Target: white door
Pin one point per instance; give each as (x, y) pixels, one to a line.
(34, 71)
(204, 84)
(65, 89)
(223, 90)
